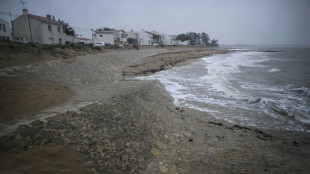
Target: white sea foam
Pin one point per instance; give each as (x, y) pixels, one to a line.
(231, 64)
(238, 49)
(274, 70)
(219, 85)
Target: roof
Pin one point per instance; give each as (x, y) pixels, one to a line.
(44, 19)
(154, 33)
(82, 38)
(3, 21)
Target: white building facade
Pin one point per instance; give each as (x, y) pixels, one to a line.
(104, 36)
(145, 38)
(38, 29)
(5, 31)
(166, 39)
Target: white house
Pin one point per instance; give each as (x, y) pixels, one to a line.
(132, 37)
(145, 38)
(5, 32)
(120, 37)
(37, 29)
(104, 36)
(157, 37)
(166, 39)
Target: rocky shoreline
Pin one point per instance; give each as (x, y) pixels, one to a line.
(134, 127)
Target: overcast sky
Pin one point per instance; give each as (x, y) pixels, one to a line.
(229, 21)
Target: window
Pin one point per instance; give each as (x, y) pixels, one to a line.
(49, 28)
(100, 35)
(124, 35)
(58, 29)
(2, 27)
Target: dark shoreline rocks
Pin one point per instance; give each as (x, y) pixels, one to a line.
(142, 131)
(165, 61)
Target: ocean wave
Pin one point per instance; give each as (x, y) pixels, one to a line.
(299, 90)
(238, 49)
(222, 86)
(274, 70)
(223, 64)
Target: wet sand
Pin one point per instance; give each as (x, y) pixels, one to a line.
(134, 127)
(24, 97)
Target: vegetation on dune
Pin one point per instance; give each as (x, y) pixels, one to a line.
(198, 39)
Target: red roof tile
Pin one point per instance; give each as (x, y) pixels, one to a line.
(44, 19)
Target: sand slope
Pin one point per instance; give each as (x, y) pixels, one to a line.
(24, 97)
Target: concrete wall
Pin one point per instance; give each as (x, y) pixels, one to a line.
(179, 42)
(186, 42)
(5, 30)
(84, 41)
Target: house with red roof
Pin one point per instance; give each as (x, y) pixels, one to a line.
(37, 29)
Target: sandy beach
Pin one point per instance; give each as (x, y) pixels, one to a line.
(101, 120)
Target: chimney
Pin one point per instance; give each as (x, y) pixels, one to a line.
(25, 11)
(49, 16)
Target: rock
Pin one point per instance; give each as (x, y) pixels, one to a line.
(18, 137)
(141, 163)
(44, 141)
(155, 151)
(88, 163)
(163, 169)
(124, 157)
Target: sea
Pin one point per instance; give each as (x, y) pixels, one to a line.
(261, 86)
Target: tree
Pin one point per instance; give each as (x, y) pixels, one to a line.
(108, 29)
(193, 37)
(182, 37)
(67, 28)
(214, 43)
(198, 39)
(205, 38)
